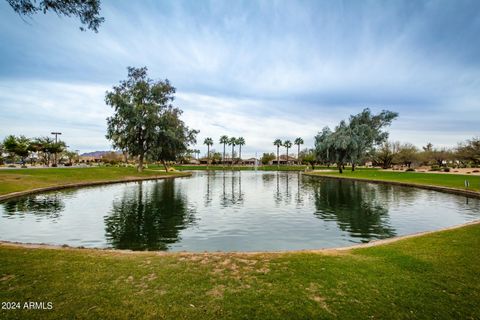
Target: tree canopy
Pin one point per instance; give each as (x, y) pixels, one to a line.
(350, 141)
(144, 121)
(88, 11)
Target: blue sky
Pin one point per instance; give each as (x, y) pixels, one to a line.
(257, 69)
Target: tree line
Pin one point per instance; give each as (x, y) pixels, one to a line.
(34, 150)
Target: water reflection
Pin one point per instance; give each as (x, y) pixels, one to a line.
(232, 190)
(44, 205)
(358, 208)
(148, 220)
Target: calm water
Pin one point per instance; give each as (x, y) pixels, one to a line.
(231, 211)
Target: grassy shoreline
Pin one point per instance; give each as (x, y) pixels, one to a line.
(431, 276)
(20, 180)
(452, 181)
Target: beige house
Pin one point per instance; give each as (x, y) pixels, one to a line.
(283, 160)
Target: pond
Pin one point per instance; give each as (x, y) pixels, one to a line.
(231, 211)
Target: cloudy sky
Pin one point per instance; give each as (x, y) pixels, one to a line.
(257, 69)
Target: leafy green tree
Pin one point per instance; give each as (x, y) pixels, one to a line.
(407, 154)
(172, 138)
(278, 143)
(351, 142)
(324, 146)
(232, 142)
(298, 141)
(386, 153)
(10, 145)
(308, 157)
(140, 105)
(88, 11)
(287, 144)
(224, 140)
(72, 156)
(17, 146)
(366, 132)
(240, 143)
(44, 147)
(216, 157)
(208, 142)
(469, 151)
(267, 157)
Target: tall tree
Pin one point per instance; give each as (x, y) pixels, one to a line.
(240, 143)
(407, 154)
(366, 132)
(287, 144)
(172, 138)
(208, 142)
(17, 146)
(232, 142)
(298, 141)
(88, 11)
(224, 140)
(350, 142)
(278, 143)
(139, 104)
(469, 151)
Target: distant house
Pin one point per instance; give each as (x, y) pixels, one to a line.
(89, 159)
(283, 160)
(250, 161)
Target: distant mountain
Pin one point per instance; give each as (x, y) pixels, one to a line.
(97, 153)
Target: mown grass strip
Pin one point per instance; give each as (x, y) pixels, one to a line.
(456, 181)
(17, 180)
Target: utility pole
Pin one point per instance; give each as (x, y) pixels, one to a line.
(56, 141)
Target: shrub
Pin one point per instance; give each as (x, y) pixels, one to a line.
(475, 171)
(446, 169)
(12, 166)
(434, 168)
(410, 169)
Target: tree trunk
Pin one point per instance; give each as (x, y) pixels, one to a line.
(208, 155)
(287, 156)
(140, 163)
(165, 165)
(223, 162)
(240, 152)
(298, 155)
(340, 168)
(353, 166)
(278, 159)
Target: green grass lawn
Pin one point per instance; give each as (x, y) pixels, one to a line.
(434, 179)
(428, 277)
(24, 179)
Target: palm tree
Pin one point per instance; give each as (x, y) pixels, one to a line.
(208, 142)
(223, 140)
(278, 143)
(232, 142)
(287, 144)
(240, 143)
(298, 142)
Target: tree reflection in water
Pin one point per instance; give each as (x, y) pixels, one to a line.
(148, 220)
(236, 196)
(358, 208)
(48, 205)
